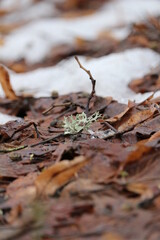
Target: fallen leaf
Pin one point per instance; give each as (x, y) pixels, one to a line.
(139, 150)
(149, 83)
(154, 136)
(115, 111)
(111, 236)
(6, 85)
(134, 117)
(138, 188)
(57, 175)
(118, 116)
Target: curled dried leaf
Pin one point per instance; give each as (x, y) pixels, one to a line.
(135, 117)
(57, 175)
(6, 85)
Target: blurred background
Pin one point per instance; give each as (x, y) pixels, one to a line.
(119, 40)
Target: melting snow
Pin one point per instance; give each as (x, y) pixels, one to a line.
(34, 41)
(6, 118)
(112, 72)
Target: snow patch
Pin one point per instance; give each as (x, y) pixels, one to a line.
(112, 72)
(34, 41)
(4, 118)
(35, 11)
(11, 4)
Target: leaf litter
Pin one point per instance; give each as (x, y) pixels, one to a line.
(103, 183)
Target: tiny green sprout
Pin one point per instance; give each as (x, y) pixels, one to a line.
(74, 125)
(124, 174)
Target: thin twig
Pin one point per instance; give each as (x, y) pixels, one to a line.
(110, 126)
(7, 150)
(93, 81)
(28, 124)
(36, 129)
(72, 107)
(47, 140)
(55, 105)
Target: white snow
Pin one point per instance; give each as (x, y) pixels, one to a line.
(112, 72)
(34, 41)
(6, 118)
(35, 11)
(21, 4)
(11, 4)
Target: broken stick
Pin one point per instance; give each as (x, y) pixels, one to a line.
(93, 81)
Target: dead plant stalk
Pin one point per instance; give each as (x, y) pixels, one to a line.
(93, 81)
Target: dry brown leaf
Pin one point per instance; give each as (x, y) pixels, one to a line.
(139, 40)
(111, 236)
(118, 116)
(139, 188)
(82, 185)
(154, 137)
(148, 83)
(46, 183)
(148, 100)
(77, 5)
(140, 150)
(143, 190)
(75, 14)
(21, 191)
(18, 67)
(6, 85)
(135, 118)
(57, 175)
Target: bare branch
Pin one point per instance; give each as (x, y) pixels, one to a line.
(56, 105)
(93, 81)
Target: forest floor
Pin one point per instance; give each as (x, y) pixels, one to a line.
(79, 137)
